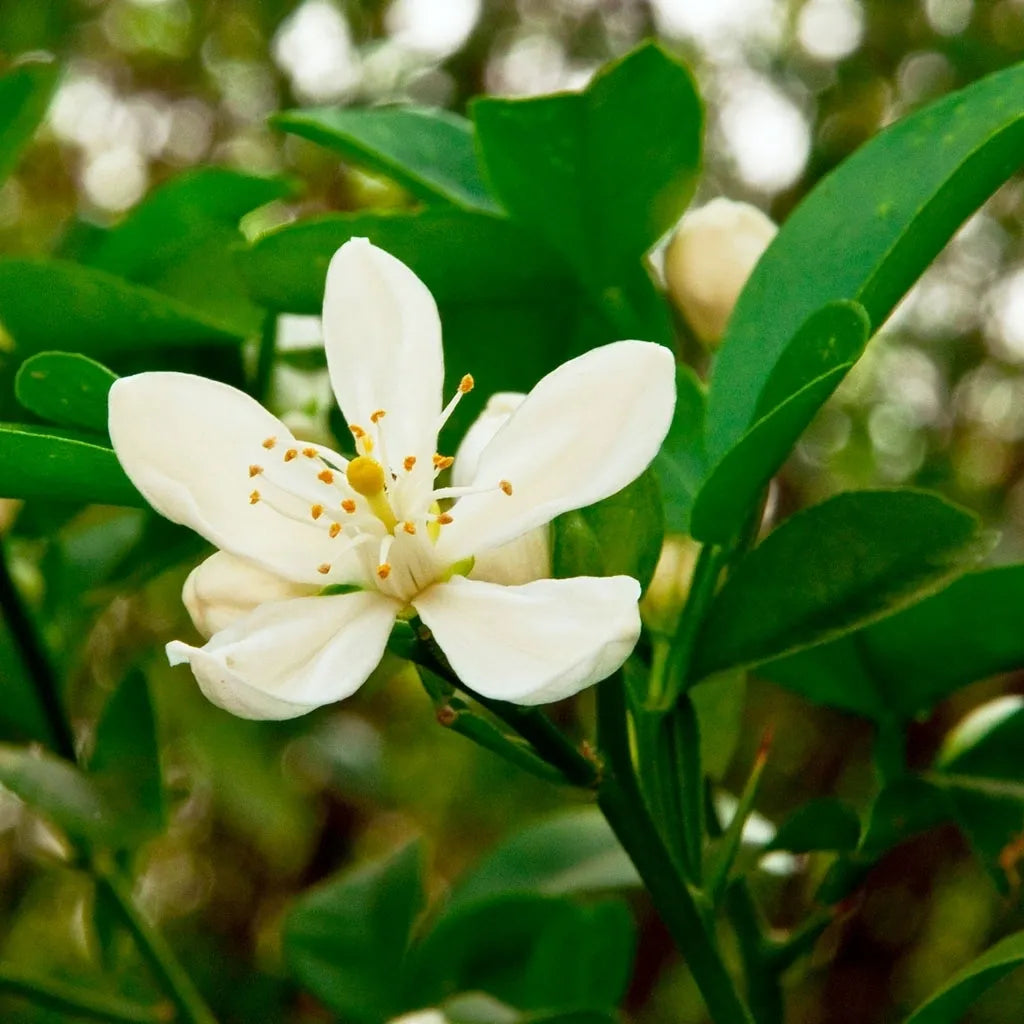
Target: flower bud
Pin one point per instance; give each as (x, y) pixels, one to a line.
(708, 261)
(667, 592)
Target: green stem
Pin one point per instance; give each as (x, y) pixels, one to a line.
(265, 358)
(890, 750)
(33, 654)
(179, 986)
(622, 803)
(59, 996)
(759, 967)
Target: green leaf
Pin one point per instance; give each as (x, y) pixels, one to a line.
(95, 312)
(727, 499)
(987, 741)
(24, 96)
(866, 232)
(603, 174)
(908, 663)
(125, 764)
(719, 703)
(822, 824)
(682, 463)
(346, 939)
(61, 792)
(180, 241)
(952, 1001)
(833, 568)
(621, 535)
(65, 388)
(44, 462)
(478, 1008)
(21, 713)
(428, 151)
(573, 852)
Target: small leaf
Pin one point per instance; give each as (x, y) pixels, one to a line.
(346, 939)
(952, 1001)
(24, 96)
(822, 824)
(833, 568)
(681, 464)
(65, 388)
(44, 462)
(428, 151)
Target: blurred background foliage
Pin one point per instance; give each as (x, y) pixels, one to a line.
(258, 812)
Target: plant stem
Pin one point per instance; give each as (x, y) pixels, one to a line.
(33, 654)
(78, 1002)
(761, 971)
(179, 986)
(265, 358)
(622, 803)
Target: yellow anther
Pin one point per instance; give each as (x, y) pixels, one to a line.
(349, 505)
(505, 486)
(326, 475)
(254, 497)
(357, 431)
(409, 527)
(335, 529)
(384, 570)
(316, 511)
(323, 569)
(310, 453)
(466, 384)
(443, 461)
(365, 476)
(290, 454)
(255, 470)
(377, 416)
(408, 462)
(269, 443)
(444, 519)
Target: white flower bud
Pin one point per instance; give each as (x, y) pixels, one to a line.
(708, 261)
(421, 1017)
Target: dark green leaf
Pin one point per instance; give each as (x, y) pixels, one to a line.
(95, 312)
(346, 939)
(681, 464)
(65, 388)
(44, 462)
(833, 568)
(601, 174)
(24, 96)
(125, 764)
(21, 713)
(866, 232)
(428, 151)
(952, 1001)
(719, 704)
(574, 852)
(822, 824)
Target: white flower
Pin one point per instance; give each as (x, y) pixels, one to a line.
(708, 261)
(299, 526)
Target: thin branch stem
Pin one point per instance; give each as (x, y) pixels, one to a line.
(265, 358)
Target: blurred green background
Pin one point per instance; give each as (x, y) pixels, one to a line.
(260, 811)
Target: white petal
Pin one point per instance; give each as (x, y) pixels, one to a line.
(286, 658)
(223, 588)
(535, 643)
(383, 340)
(187, 442)
(496, 412)
(584, 432)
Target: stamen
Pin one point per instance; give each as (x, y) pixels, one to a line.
(269, 443)
(444, 519)
(255, 470)
(464, 492)
(254, 497)
(408, 462)
(384, 570)
(310, 453)
(349, 506)
(335, 529)
(326, 475)
(443, 461)
(290, 454)
(316, 511)
(409, 527)
(465, 386)
(323, 569)
(377, 416)
(506, 487)
(364, 443)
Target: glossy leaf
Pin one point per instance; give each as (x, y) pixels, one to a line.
(428, 151)
(822, 824)
(866, 232)
(45, 462)
(573, 852)
(682, 463)
(65, 388)
(24, 96)
(346, 939)
(833, 568)
(94, 312)
(952, 1001)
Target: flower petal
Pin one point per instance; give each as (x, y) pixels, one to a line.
(223, 588)
(187, 443)
(286, 658)
(383, 340)
(495, 415)
(535, 643)
(584, 432)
